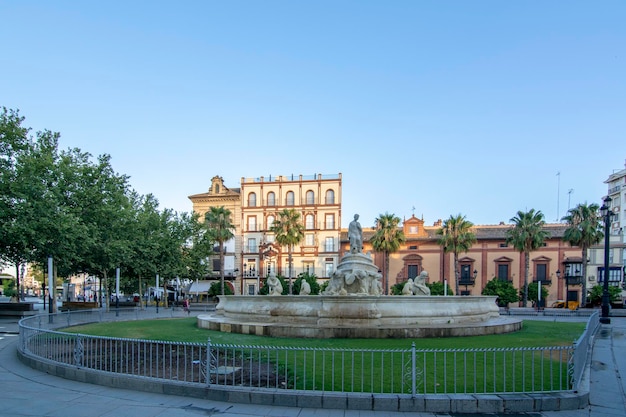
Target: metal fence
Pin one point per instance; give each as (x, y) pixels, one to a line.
(410, 371)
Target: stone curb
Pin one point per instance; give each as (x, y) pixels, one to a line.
(434, 403)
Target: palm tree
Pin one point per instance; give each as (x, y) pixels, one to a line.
(527, 235)
(289, 232)
(387, 239)
(585, 230)
(220, 230)
(456, 236)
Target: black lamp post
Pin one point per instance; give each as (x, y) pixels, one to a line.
(606, 213)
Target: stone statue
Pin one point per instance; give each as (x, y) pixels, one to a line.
(419, 284)
(354, 282)
(355, 235)
(407, 289)
(275, 287)
(305, 288)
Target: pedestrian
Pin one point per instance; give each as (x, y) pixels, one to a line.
(186, 306)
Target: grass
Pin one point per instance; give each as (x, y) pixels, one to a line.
(533, 334)
(384, 365)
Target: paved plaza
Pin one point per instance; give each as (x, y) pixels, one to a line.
(27, 392)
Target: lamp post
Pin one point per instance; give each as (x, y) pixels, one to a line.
(606, 213)
(558, 276)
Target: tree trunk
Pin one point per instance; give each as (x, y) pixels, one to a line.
(526, 270)
(222, 266)
(290, 262)
(583, 296)
(386, 273)
(456, 274)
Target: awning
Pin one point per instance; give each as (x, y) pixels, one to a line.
(200, 287)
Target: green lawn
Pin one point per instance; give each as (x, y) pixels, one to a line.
(533, 334)
(384, 365)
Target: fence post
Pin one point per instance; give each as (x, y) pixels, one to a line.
(413, 372)
(208, 362)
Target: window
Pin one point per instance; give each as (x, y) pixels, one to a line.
(412, 271)
(252, 224)
(467, 276)
(290, 199)
(309, 222)
(216, 265)
(308, 268)
(541, 272)
(615, 275)
(413, 230)
(270, 222)
(252, 244)
(310, 197)
(271, 199)
(329, 266)
(309, 239)
(270, 238)
(252, 200)
(329, 244)
(330, 221)
(503, 272)
(251, 289)
(330, 197)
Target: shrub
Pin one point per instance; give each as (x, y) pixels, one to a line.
(504, 290)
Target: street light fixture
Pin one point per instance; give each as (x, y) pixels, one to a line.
(606, 213)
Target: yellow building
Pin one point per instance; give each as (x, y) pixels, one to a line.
(253, 252)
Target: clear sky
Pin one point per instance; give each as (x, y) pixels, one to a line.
(432, 107)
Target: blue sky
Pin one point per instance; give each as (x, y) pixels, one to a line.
(431, 107)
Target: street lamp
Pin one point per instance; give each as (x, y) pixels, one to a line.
(606, 213)
(558, 276)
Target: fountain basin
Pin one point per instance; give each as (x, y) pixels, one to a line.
(358, 316)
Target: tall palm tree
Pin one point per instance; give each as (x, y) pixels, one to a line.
(289, 232)
(387, 239)
(456, 236)
(585, 230)
(527, 235)
(220, 230)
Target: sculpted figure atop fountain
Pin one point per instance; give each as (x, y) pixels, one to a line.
(417, 286)
(356, 273)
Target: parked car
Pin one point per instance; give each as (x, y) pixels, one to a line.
(572, 305)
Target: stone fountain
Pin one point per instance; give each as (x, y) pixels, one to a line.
(352, 306)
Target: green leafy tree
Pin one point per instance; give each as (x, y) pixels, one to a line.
(216, 289)
(289, 232)
(220, 230)
(396, 289)
(388, 238)
(584, 230)
(527, 235)
(197, 249)
(595, 295)
(504, 290)
(533, 293)
(311, 279)
(456, 236)
(437, 288)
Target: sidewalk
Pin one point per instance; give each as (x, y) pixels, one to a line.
(32, 393)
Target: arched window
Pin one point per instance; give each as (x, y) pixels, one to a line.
(330, 197)
(252, 200)
(290, 200)
(271, 198)
(270, 222)
(310, 197)
(309, 222)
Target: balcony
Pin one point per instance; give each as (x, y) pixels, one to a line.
(467, 281)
